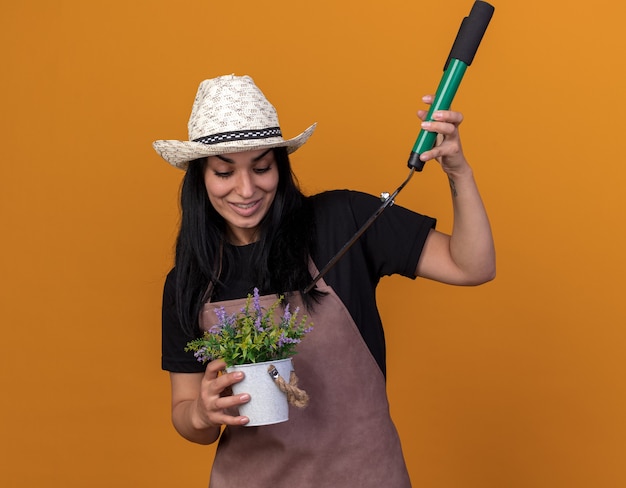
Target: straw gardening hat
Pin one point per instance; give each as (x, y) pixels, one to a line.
(229, 114)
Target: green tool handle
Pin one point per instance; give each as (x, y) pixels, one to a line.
(446, 90)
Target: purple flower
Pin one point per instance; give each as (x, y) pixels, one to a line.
(202, 355)
(257, 324)
(286, 314)
(256, 302)
(221, 314)
(282, 340)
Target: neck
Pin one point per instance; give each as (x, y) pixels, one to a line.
(242, 238)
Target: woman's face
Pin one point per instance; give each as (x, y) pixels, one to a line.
(241, 187)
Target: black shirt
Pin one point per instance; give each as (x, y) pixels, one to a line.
(392, 245)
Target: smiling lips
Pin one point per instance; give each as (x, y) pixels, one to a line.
(245, 209)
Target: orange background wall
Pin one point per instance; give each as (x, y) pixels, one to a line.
(519, 383)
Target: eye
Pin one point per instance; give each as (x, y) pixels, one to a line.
(222, 174)
(260, 171)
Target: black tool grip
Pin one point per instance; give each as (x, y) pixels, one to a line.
(470, 33)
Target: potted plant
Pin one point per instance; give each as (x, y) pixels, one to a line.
(260, 342)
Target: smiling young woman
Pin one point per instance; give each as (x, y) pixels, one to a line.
(245, 224)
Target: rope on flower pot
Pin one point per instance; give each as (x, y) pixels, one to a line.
(295, 396)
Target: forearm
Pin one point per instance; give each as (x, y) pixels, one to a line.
(471, 242)
(188, 425)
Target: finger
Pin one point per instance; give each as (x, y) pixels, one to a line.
(214, 368)
(444, 128)
(221, 385)
(223, 419)
(421, 114)
(441, 151)
(448, 116)
(225, 402)
(224, 405)
(428, 155)
(428, 99)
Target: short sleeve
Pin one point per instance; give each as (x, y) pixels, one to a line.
(173, 341)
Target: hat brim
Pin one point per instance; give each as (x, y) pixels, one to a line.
(180, 153)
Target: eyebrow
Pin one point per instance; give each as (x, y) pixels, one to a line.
(254, 160)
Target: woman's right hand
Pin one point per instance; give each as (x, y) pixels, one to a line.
(215, 397)
(200, 402)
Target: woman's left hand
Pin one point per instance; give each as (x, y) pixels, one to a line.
(447, 150)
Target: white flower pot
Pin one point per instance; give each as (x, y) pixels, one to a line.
(267, 405)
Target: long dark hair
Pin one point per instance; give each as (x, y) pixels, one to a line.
(286, 240)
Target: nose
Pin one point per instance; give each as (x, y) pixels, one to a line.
(245, 185)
